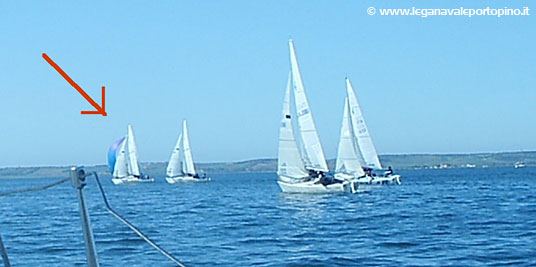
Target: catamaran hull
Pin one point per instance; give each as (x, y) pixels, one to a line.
(131, 180)
(185, 179)
(317, 188)
(368, 182)
(389, 180)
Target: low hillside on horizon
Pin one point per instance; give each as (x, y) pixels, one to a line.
(398, 161)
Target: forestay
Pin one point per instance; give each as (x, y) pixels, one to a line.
(364, 141)
(347, 155)
(188, 166)
(313, 153)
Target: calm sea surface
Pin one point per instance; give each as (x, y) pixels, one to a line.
(462, 217)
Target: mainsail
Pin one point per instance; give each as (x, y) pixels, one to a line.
(289, 162)
(347, 155)
(133, 166)
(174, 166)
(364, 141)
(188, 166)
(313, 154)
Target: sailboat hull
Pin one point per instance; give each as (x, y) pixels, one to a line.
(185, 179)
(367, 182)
(312, 187)
(131, 180)
(391, 179)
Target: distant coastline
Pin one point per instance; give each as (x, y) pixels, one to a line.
(397, 161)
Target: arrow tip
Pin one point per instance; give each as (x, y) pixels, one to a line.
(94, 112)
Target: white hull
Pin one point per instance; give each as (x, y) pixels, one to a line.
(391, 179)
(311, 187)
(182, 179)
(344, 176)
(131, 180)
(378, 180)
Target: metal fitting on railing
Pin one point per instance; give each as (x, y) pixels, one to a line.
(78, 177)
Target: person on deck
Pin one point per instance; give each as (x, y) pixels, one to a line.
(389, 171)
(368, 171)
(325, 180)
(315, 174)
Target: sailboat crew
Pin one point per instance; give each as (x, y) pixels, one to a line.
(389, 171)
(368, 171)
(315, 174)
(324, 179)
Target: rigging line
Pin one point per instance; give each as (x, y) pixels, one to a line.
(39, 188)
(131, 226)
(3, 251)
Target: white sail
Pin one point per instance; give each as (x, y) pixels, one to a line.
(313, 154)
(364, 141)
(120, 167)
(174, 165)
(133, 165)
(347, 155)
(188, 166)
(289, 162)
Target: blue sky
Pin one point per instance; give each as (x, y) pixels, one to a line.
(426, 85)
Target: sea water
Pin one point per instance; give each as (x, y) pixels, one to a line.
(462, 217)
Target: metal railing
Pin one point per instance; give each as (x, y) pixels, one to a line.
(78, 179)
(3, 250)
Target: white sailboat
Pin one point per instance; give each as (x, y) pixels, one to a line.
(123, 161)
(305, 171)
(181, 164)
(361, 144)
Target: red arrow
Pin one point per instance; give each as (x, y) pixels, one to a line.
(99, 109)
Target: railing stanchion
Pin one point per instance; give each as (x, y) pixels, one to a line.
(3, 251)
(78, 179)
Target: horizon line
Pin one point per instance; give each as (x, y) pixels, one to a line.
(253, 159)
